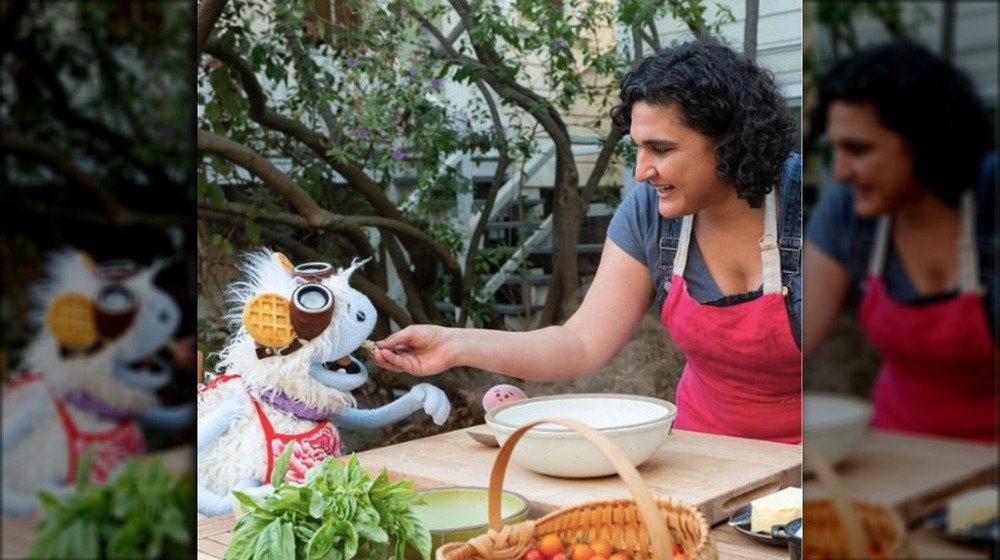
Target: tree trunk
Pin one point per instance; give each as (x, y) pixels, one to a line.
(567, 216)
(750, 29)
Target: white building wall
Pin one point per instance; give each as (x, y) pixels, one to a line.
(975, 38)
(779, 38)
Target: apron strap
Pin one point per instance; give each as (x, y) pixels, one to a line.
(876, 263)
(769, 252)
(681, 257)
(968, 271)
(968, 267)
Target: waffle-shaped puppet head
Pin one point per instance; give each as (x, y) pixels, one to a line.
(99, 320)
(296, 320)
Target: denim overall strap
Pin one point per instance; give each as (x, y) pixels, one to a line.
(790, 244)
(862, 234)
(986, 236)
(670, 235)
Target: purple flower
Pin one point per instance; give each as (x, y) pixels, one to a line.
(435, 84)
(352, 62)
(398, 155)
(412, 72)
(558, 45)
(424, 30)
(362, 133)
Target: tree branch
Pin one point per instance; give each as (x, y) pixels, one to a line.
(601, 165)
(344, 225)
(316, 142)
(208, 14)
(377, 295)
(19, 144)
(262, 168)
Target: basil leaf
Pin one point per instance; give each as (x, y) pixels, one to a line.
(281, 465)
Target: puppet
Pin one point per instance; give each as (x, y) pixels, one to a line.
(89, 376)
(288, 378)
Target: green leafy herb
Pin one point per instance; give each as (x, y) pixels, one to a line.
(339, 513)
(143, 512)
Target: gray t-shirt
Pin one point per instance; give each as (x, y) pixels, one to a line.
(828, 230)
(635, 229)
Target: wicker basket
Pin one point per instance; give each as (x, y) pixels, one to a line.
(883, 529)
(625, 523)
(836, 527)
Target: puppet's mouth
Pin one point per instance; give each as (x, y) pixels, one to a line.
(345, 364)
(150, 373)
(146, 364)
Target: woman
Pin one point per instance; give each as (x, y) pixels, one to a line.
(909, 233)
(699, 236)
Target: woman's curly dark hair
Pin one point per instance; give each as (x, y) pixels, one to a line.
(924, 99)
(727, 98)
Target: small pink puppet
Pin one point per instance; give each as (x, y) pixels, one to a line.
(499, 394)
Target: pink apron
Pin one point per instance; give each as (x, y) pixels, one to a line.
(937, 375)
(743, 375)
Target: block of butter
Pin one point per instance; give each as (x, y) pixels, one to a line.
(775, 509)
(975, 507)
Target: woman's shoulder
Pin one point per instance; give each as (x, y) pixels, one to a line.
(641, 204)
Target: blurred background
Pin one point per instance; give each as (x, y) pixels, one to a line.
(97, 143)
(962, 32)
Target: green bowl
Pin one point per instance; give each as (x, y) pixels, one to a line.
(459, 513)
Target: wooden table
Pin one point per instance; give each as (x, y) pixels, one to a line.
(19, 532)
(717, 474)
(916, 476)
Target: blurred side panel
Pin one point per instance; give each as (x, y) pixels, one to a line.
(97, 210)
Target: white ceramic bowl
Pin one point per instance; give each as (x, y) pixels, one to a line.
(637, 425)
(834, 424)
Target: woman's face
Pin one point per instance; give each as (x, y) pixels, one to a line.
(678, 161)
(874, 161)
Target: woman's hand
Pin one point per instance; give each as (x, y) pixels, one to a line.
(421, 350)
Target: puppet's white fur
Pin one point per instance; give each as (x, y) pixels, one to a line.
(239, 453)
(38, 457)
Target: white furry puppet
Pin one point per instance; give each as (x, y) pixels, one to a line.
(90, 376)
(289, 377)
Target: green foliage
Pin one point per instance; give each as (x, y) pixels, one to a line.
(840, 18)
(380, 89)
(144, 512)
(339, 513)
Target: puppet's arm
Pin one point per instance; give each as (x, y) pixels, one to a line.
(424, 396)
(213, 424)
(169, 418)
(22, 412)
(211, 504)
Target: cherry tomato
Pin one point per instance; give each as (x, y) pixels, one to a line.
(559, 556)
(581, 551)
(601, 547)
(533, 554)
(619, 556)
(550, 545)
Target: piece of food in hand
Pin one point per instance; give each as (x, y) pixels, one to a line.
(973, 508)
(775, 509)
(499, 394)
(369, 345)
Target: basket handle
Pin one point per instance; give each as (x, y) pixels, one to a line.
(644, 500)
(854, 533)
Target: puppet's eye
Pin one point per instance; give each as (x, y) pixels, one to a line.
(313, 299)
(115, 299)
(360, 316)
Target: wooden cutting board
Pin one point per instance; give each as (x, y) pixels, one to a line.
(914, 474)
(717, 474)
